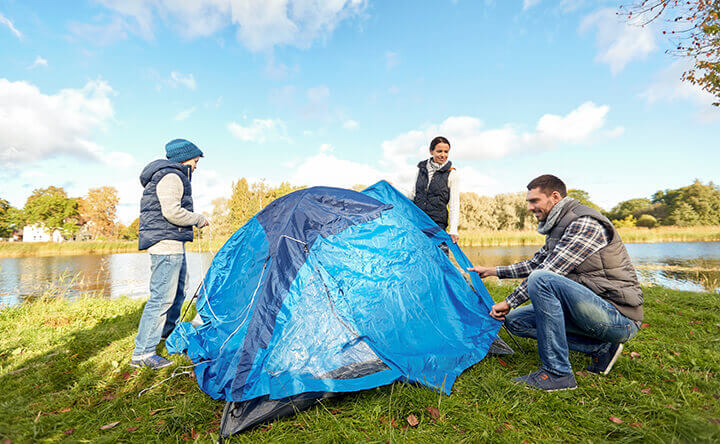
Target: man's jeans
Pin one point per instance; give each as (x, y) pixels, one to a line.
(567, 315)
(167, 293)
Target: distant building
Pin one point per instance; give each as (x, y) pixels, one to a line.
(39, 233)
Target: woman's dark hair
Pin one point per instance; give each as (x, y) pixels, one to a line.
(438, 140)
(547, 184)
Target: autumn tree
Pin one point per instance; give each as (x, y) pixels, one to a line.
(694, 29)
(630, 207)
(53, 208)
(99, 210)
(131, 232)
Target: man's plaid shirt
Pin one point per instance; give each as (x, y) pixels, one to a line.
(582, 238)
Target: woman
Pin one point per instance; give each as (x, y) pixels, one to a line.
(436, 188)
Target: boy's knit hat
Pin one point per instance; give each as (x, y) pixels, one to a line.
(180, 150)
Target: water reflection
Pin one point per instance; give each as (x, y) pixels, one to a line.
(112, 275)
(693, 266)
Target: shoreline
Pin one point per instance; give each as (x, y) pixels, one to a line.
(468, 238)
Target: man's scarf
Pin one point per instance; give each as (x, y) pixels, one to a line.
(545, 226)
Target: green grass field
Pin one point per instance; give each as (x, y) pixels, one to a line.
(65, 376)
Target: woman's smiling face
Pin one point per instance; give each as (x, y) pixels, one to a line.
(440, 153)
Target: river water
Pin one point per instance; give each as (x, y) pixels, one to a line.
(679, 265)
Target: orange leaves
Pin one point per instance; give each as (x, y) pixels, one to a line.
(615, 420)
(412, 420)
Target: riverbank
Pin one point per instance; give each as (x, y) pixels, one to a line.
(629, 235)
(65, 376)
(468, 238)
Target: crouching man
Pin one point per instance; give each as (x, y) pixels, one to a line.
(584, 291)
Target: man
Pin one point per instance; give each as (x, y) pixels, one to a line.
(583, 287)
(166, 223)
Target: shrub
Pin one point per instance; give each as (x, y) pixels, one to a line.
(646, 220)
(629, 221)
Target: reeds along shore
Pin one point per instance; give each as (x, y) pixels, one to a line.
(468, 238)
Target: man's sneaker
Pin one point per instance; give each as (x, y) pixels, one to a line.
(548, 382)
(154, 362)
(602, 363)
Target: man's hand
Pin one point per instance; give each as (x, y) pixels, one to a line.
(484, 271)
(454, 238)
(499, 310)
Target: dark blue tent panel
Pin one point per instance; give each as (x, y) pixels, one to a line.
(331, 290)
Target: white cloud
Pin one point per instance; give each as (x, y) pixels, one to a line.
(471, 141)
(101, 35)
(618, 41)
(527, 4)
(260, 24)
(318, 94)
(259, 131)
(668, 87)
(39, 61)
(36, 126)
(6, 21)
(350, 125)
(391, 60)
(326, 169)
(184, 114)
(326, 148)
(186, 80)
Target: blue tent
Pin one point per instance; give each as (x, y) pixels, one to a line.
(328, 290)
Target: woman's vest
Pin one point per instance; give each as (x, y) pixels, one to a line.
(433, 198)
(153, 225)
(609, 272)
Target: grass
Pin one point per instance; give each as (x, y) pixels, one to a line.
(501, 238)
(64, 375)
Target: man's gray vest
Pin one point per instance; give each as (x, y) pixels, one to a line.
(153, 225)
(609, 273)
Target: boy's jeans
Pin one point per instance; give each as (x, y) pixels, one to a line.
(167, 293)
(567, 315)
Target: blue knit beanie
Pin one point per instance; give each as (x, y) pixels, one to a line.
(180, 150)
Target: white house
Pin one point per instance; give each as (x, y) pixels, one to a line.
(38, 233)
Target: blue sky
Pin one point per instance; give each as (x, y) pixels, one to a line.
(345, 92)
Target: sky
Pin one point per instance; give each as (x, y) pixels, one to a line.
(346, 92)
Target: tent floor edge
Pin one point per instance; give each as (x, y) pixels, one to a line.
(239, 416)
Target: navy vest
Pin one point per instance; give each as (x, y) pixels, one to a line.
(153, 226)
(433, 198)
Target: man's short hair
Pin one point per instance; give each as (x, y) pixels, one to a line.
(547, 184)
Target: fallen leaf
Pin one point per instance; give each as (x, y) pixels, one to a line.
(676, 353)
(132, 429)
(645, 390)
(335, 411)
(108, 397)
(109, 426)
(509, 426)
(434, 412)
(161, 422)
(64, 410)
(714, 420)
(412, 420)
(635, 424)
(716, 396)
(69, 431)
(644, 325)
(582, 373)
(125, 376)
(634, 355)
(582, 402)
(695, 389)
(616, 420)
(503, 363)
(670, 406)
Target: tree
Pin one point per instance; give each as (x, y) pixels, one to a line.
(629, 207)
(694, 29)
(52, 207)
(98, 209)
(629, 221)
(696, 204)
(583, 197)
(131, 231)
(5, 228)
(647, 221)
